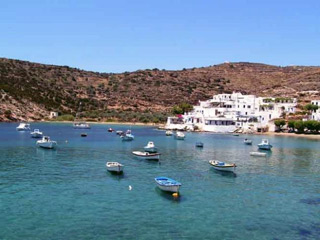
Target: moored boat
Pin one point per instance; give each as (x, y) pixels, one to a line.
(110, 130)
(222, 166)
(265, 145)
(146, 155)
(151, 148)
(258, 154)
(84, 134)
(247, 141)
(168, 184)
(179, 135)
(119, 132)
(127, 136)
(199, 144)
(81, 125)
(36, 133)
(114, 167)
(23, 127)
(169, 133)
(46, 142)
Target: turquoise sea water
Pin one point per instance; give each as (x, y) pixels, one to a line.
(68, 194)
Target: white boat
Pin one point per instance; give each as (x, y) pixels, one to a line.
(265, 145)
(179, 136)
(119, 132)
(81, 125)
(147, 155)
(114, 167)
(258, 154)
(46, 142)
(222, 166)
(151, 148)
(247, 141)
(169, 133)
(168, 184)
(127, 136)
(36, 133)
(23, 127)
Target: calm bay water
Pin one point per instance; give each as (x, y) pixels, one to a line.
(68, 194)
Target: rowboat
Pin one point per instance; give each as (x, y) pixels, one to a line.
(265, 145)
(147, 155)
(168, 184)
(199, 144)
(23, 127)
(46, 142)
(247, 141)
(36, 133)
(179, 136)
(151, 148)
(258, 154)
(222, 166)
(114, 167)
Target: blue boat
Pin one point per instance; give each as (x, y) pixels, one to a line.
(127, 136)
(168, 184)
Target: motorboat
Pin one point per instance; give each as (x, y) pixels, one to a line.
(119, 132)
(36, 134)
(46, 142)
(168, 184)
(151, 148)
(265, 145)
(146, 155)
(114, 167)
(179, 135)
(247, 141)
(24, 127)
(169, 133)
(81, 125)
(110, 130)
(236, 134)
(258, 154)
(222, 166)
(127, 136)
(199, 144)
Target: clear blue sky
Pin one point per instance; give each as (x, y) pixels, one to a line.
(119, 35)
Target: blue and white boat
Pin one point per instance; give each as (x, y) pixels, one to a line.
(46, 142)
(247, 141)
(199, 144)
(24, 127)
(168, 184)
(36, 133)
(265, 145)
(222, 166)
(179, 135)
(127, 136)
(151, 148)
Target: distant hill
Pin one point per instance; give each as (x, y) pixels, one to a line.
(28, 91)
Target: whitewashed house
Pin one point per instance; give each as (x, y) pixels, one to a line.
(53, 115)
(316, 114)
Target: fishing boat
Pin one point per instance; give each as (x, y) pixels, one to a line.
(179, 136)
(199, 144)
(168, 184)
(127, 136)
(114, 167)
(81, 125)
(169, 133)
(222, 166)
(146, 155)
(46, 142)
(23, 127)
(110, 130)
(258, 154)
(247, 141)
(151, 148)
(36, 133)
(265, 145)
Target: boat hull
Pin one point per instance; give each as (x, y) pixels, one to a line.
(265, 147)
(141, 155)
(224, 169)
(47, 145)
(115, 169)
(151, 150)
(36, 135)
(258, 154)
(174, 188)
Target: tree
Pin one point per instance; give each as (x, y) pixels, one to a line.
(280, 123)
(291, 124)
(299, 125)
(310, 107)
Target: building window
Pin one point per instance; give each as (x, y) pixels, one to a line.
(249, 106)
(269, 116)
(244, 106)
(246, 113)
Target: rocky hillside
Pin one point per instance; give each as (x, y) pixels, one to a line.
(30, 90)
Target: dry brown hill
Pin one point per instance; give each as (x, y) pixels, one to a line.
(30, 90)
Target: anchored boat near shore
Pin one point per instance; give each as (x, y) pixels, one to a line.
(168, 184)
(222, 166)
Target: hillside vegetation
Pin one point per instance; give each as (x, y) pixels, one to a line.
(28, 91)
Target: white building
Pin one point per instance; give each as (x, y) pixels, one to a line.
(228, 112)
(316, 114)
(53, 114)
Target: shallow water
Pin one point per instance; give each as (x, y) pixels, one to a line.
(68, 194)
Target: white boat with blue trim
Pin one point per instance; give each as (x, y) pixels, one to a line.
(222, 166)
(179, 135)
(151, 148)
(146, 155)
(36, 134)
(265, 145)
(168, 184)
(114, 167)
(247, 141)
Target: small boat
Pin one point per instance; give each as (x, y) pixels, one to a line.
(23, 127)
(179, 136)
(114, 167)
(119, 132)
(265, 145)
(247, 141)
(169, 133)
(83, 135)
(258, 154)
(36, 133)
(236, 134)
(222, 166)
(147, 155)
(199, 144)
(46, 142)
(81, 125)
(168, 184)
(127, 136)
(151, 148)
(110, 130)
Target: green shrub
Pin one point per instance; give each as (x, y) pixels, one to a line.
(67, 117)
